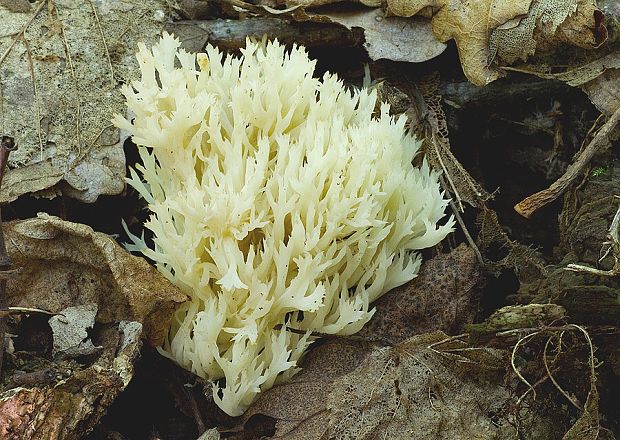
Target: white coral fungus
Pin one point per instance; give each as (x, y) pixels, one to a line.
(280, 204)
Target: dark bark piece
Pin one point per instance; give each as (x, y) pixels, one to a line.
(231, 34)
(463, 94)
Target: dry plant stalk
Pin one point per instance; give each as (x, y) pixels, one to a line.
(554, 331)
(529, 205)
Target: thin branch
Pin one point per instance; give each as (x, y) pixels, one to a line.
(105, 43)
(37, 102)
(446, 173)
(23, 29)
(527, 206)
(468, 236)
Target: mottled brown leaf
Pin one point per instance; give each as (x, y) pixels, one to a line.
(441, 298)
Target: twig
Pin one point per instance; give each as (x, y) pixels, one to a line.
(555, 382)
(461, 223)
(434, 143)
(21, 32)
(7, 144)
(105, 43)
(527, 206)
(28, 310)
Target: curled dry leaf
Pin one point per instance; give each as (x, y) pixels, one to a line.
(422, 386)
(511, 29)
(99, 293)
(66, 264)
(62, 64)
(469, 24)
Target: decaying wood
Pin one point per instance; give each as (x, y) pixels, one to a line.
(231, 34)
(530, 204)
(463, 94)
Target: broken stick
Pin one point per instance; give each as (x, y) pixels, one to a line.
(527, 206)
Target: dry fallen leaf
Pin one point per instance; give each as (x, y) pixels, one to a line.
(599, 78)
(511, 29)
(423, 387)
(469, 24)
(98, 293)
(391, 38)
(442, 297)
(67, 264)
(16, 5)
(541, 27)
(61, 67)
(604, 91)
(70, 331)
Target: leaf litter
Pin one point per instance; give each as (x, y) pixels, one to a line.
(61, 67)
(382, 383)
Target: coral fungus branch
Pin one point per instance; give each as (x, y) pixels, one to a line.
(281, 203)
